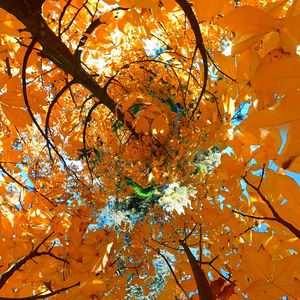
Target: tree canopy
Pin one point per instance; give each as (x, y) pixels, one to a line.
(184, 114)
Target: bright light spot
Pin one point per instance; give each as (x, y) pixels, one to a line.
(151, 47)
(227, 51)
(230, 134)
(177, 197)
(264, 132)
(298, 50)
(255, 103)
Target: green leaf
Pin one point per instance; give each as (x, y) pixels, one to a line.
(139, 190)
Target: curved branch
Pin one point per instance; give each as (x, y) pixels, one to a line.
(24, 91)
(218, 68)
(185, 6)
(53, 102)
(190, 233)
(74, 17)
(189, 78)
(55, 50)
(88, 31)
(86, 122)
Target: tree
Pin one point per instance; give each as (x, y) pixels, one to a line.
(101, 99)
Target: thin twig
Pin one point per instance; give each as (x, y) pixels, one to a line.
(42, 295)
(16, 266)
(62, 15)
(276, 215)
(254, 217)
(171, 269)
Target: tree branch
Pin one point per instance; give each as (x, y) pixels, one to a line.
(24, 91)
(16, 266)
(204, 290)
(171, 269)
(277, 217)
(186, 7)
(54, 101)
(86, 121)
(29, 13)
(253, 217)
(24, 186)
(42, 295)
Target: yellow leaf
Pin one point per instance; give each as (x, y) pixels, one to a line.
(143, 3)
(189, 285)
(124, 3)
(283, 188)
(106, 255)
(206, 10)
(244, 42)
(226, 63)
(107, 17)
(13, 96)
(280, 114)
(281, 76)
(290, 156)
(79, 267)
(294, 9)
(247, 63)
(257, 263)
(102, 262)
(269, 42)
(87, 252)
(168, 5)
(275, 8)
(249, 19)
(111, 2)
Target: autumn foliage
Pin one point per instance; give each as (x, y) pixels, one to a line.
(105, 99)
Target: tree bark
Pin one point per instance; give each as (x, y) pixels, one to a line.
(203, 286)
(29, 13)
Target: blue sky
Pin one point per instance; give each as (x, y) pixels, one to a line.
(272, 165)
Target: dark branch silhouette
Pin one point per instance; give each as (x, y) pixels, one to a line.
(277, 217)
(43, 295)
(186, 7)
(34, 253)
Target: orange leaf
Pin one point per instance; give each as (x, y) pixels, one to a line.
(227, 292)
(17, 116)
(12, 99)
(142, 125)
(8, 24)
(160, 125)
